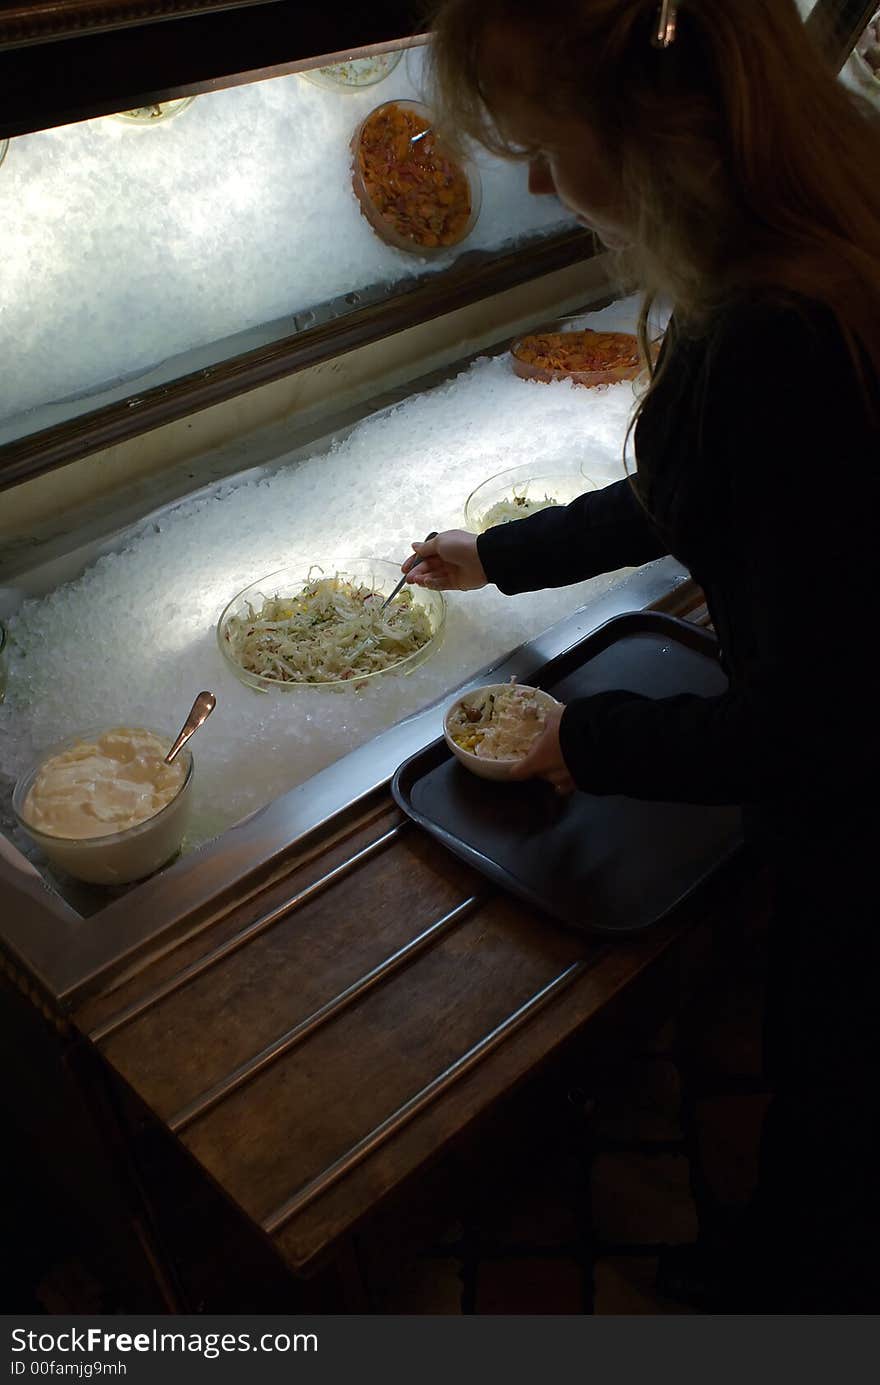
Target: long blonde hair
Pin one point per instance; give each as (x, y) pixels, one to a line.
(744, 163)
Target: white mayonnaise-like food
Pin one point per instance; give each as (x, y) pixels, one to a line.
(103, 785)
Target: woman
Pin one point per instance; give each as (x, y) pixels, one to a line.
(741, 180)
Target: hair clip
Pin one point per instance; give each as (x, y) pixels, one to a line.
(667, 15)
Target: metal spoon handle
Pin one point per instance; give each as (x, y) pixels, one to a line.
(432, 535)
(198, 713)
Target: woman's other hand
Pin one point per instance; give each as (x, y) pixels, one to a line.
(451, 563)
(544, 760)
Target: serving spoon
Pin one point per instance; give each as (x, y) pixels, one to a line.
(198, 713)
(371, 639)
(389, 599)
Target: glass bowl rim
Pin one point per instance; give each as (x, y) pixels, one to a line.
(575, 470)
(560, 324)
(23, 784)
(468, 166)
(257, 680)
(311, 73)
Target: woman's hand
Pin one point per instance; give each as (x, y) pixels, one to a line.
(544, 760)
(451, 563)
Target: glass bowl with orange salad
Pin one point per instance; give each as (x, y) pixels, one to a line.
(582, 355)
(414, 193)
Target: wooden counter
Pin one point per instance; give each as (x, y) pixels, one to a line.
(318, 1045)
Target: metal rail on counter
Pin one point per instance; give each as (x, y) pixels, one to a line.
(397, 1119)
(72, 957)
(244, 936)
(298, 1033)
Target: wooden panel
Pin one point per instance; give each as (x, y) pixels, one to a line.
(619, 984)
(306, 1239)
(342, 1093)
(297, 1118)
(196, 1035)
(230, 915)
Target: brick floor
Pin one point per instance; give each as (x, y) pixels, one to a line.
(527, 1285)
(641, 1198)
(624, 1284)
(729, 1133)
(638, 1100)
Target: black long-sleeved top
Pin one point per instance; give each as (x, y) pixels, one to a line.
(758, 467)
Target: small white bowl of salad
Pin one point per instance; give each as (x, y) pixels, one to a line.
(490, 729)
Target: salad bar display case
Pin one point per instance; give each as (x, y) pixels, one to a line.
(278, 1033)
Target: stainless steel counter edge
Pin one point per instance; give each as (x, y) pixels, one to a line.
(71, 955)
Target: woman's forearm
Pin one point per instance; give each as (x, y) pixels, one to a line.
(599, 532)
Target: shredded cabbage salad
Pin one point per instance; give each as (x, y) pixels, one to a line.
(333, 629)
(516, 506)
(500, 725)
(361, 72)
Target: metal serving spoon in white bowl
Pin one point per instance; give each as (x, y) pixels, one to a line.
(198, 713)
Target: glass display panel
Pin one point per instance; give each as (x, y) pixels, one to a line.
(143, 246)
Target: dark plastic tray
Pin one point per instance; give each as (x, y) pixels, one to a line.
(608, 865)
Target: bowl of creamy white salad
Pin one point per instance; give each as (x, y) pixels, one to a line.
(104, 806)
(490, 729)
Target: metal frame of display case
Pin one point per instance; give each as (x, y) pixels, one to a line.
(43, 21)
(107, 55)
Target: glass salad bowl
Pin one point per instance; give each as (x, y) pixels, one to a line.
(416, 196)
(552, 353)
(523, 490)
(114, 858)
(341, 642)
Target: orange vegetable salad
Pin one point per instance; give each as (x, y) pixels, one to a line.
(418, 190)
(584, 350)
